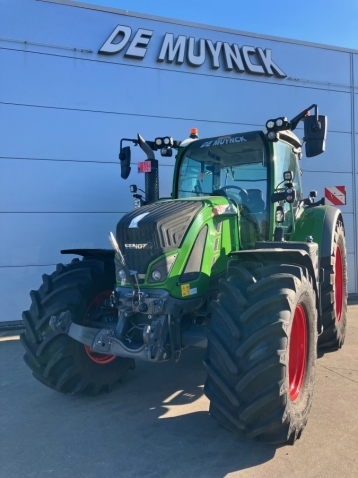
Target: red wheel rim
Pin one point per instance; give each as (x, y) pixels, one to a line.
(338, 284)
(298, 353)
(101, 359)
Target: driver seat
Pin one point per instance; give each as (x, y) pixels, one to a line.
(254, 201)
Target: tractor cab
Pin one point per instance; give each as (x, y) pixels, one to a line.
(235, 167)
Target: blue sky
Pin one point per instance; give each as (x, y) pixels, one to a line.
(333, 22)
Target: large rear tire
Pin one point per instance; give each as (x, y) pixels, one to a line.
(261, 354)
(334, 293)
(56, 360)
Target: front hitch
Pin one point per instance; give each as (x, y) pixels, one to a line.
(105, 341)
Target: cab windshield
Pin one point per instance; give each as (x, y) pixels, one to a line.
(233, 166)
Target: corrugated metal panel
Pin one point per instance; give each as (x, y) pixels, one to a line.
(336, 158)
(351, 273)
(15, 285)
(36, 239)
(69, 186)
(121, 89)
(83, 103)
(29, 132)
(89, 29)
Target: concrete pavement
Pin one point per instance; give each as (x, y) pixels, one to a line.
(157, 425)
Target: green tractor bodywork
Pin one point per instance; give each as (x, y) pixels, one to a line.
(237, 261)
(218, 236)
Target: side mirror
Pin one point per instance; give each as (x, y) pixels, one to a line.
(125, 157)
(315, 135)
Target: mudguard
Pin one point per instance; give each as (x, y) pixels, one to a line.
(318, 222)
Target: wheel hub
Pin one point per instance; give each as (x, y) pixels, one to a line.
(298, 353)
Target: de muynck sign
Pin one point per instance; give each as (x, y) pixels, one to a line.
(195, 52)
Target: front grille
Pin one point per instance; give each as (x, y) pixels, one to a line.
(160, 231)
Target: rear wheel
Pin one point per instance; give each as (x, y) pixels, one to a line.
(334, 293)
(261, 352)
(57, 360)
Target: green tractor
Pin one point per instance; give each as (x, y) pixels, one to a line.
(236, 261)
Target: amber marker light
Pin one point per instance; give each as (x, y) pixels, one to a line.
(194, 133)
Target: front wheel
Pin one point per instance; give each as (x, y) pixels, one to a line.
(261, 354)
(57, 360)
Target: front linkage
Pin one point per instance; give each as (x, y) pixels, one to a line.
(106, 341)
(162, 335)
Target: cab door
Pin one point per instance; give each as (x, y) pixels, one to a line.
(285, 159)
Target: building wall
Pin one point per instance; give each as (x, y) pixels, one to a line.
(63, 112)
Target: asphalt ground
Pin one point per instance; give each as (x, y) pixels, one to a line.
(157, 424)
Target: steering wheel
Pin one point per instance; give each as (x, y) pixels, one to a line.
(243, 193)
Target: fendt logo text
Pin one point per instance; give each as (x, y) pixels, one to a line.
(149, 245)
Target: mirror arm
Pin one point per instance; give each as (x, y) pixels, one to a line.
(294, 122)
(135, 141)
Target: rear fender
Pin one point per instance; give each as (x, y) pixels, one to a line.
(318, 222)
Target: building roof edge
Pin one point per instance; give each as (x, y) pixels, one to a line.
(174, 21)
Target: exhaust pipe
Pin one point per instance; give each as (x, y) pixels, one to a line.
(152, 178)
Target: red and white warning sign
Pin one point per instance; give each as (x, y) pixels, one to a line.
(335, 196)
(144, 167)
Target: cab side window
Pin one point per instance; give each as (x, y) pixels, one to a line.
(287, 160)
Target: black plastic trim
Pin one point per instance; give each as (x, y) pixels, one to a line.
(329, 225)
(89, 252)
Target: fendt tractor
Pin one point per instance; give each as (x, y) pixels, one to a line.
(236, 261)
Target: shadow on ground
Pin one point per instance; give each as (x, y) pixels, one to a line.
(155, 424)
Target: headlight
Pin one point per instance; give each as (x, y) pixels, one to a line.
(279, 123)
(270, 124)
(156, 275)
(158, 141)
(272, 135)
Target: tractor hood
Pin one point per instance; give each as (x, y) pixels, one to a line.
(153, 230)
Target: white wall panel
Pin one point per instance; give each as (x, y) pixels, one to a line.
(36, 239)
(89, 29)
(351, 274)
(122, 89)
(318, 181)
(15, 286)
(355, 69)
(336, 158)
(349, 230)
(66, 191)
(69, 186)
(46, 133)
